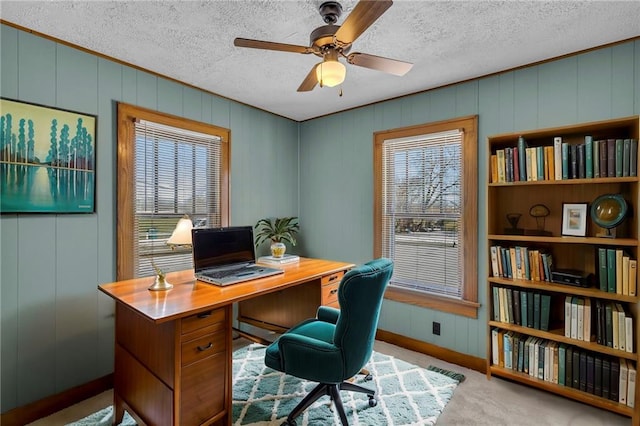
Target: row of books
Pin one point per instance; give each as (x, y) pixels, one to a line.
(562, 160)
(524, 308)
(617, 272)
(520, 262)
(566, 365)
(608, 321)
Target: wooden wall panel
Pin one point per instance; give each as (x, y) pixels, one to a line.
(557, 92)
(57, 329)
(622, 78)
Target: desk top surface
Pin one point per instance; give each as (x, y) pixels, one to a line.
(189, 296)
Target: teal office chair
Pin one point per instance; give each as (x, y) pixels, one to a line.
(334, 347)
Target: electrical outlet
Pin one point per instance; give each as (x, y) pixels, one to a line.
(436, 328)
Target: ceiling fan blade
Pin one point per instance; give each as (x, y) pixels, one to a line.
(269, 45)
(391, 66)
(361, 17)
(310, 80)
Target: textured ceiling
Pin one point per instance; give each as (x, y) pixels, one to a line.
(448, 41)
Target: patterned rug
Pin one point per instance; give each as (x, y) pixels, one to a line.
(406, 395)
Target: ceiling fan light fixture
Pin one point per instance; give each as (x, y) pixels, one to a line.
(331, 73)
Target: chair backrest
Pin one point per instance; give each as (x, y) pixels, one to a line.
(360, 295)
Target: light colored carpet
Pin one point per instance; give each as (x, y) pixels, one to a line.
(476, 401)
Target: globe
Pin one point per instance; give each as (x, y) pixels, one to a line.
(609, 210)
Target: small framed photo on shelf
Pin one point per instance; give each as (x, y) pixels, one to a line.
(574, 219)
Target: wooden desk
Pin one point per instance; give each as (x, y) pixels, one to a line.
(173, 350)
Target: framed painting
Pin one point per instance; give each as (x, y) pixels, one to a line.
(47, 159)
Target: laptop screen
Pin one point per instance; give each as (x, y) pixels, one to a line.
(214, 247)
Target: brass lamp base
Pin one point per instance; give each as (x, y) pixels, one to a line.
(161, 284)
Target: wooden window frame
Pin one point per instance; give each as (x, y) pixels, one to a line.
(127, 114)
(468, 305)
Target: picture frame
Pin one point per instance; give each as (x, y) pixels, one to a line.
(574, 219)
(47, 159)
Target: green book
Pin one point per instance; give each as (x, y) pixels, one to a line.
(522, 162)
(565, 160)
(545, 309)
(568, 368)
(588, 156)
(608, 324)
(496, 304)
(633, 157)
(619, 154)
(523, 308)
(611, 270)
(536, 311)
(562, 352)
(626, 157)
(602, 269)
(540, 162)
(530, 309)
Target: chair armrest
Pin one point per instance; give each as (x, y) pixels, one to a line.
(328, 314)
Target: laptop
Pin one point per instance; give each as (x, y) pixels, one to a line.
(224, 256)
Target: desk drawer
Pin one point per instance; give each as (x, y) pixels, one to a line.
(332, 278)
(203, 347)
(201, 320)
(330, 294)
(203, 390)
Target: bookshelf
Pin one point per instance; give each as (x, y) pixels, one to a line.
(569, 355)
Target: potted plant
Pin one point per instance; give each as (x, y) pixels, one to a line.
(278, 230)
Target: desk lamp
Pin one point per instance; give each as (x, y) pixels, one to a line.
(180, 237)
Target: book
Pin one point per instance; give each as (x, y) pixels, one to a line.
(509, 308)
(508, 164)
(565, 160)
(622, 387)
(516, 164)
(633, 276)
(496, 303)
(618, 266)
(590, 367)
(522, 161)
(495, 270)
(587, 320)
(523, 308)
(625, 274)
(567, 316)
(286, 258)
(626, 156)
(633, 157)
(545, 311)
(573, 162)
(606, 377)
(574, 317)
(540, 162)
(501, 165)
(580, 159)
(628, 330)
(582, 384)
(614, 325)
(602, 268)
(588, 156)
(562, 357)
(611, 270)
(575, 374)
(614, 385)
(608, 321)
(494, 168)
(495, 358)
(611, 158)
(580, 326)
(596, 159)
(619, 145)
(603, 158)
(516, 307)
(557, 157)
(631, 385)
(530, 313)
(622, 336)
(536, 311)
(597, 379)
(568, 369)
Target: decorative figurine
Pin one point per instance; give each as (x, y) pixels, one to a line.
(540, 213)
(513, 219)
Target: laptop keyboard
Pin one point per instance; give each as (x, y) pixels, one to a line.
(225, 272)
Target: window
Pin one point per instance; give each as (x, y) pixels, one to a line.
(426, 213)
(168, 167)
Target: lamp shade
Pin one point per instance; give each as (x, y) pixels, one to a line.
(181, 235)
(330, 73)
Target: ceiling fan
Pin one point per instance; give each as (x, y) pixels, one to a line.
(332, 42)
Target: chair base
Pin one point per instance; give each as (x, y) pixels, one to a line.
(333, 391)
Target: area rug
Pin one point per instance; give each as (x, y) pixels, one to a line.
(406, 395)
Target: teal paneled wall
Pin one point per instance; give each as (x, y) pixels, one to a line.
(57, 329)
(336, 153)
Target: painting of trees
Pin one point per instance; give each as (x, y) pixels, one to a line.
(36, 139)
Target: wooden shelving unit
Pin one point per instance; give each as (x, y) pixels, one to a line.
(568, 252)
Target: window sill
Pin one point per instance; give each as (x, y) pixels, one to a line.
(444, 304)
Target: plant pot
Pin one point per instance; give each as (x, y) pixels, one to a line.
(278, 249)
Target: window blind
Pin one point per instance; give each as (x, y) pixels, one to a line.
(422, 211)
(177, 172)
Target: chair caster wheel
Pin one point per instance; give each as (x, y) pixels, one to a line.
(368, 378)
(288, 422)
(372, 401)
